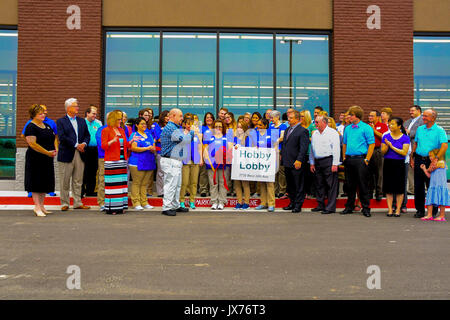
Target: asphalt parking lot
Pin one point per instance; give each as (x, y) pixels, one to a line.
(228, 255)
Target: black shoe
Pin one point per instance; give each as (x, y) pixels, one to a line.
(366, 213)
(289, 207)
(296, 210)
(170, 213)
(346, 211)
(317, 209)
(327, 212)
(419, 214)
(203, 195)
(378, 198)
(180, 209)
(160, 196)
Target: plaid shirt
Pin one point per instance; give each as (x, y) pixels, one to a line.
(171, 135)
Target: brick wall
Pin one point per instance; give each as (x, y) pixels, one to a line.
(373, 68)
(55, 63)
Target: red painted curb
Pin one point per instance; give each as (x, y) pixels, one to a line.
(199, 202)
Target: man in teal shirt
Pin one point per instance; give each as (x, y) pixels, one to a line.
(91, 153)
(358, 146)
(428, 137)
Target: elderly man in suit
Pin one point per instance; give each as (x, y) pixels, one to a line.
(411, 126)
(73, 138)
(293, 156)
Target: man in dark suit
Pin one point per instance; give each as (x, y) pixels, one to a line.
(293, 156)
(73, 138)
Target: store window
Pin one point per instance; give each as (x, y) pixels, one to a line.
(246, 72)
(8, 85)
(204, 70)
(302, 72)
(189, 72)
(132, 72)
(432, 79)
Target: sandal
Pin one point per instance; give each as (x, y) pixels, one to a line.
(440, 219)
(426, 218)
(389, 214)
(397, 215)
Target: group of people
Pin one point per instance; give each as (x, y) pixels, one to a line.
(181, 156)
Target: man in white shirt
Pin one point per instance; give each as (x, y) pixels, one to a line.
(324, 162)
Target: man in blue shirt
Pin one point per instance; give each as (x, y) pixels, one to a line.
(173, 137)
(91, 153)
(357, 149)
(428, 137)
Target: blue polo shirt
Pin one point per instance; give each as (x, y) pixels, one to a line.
(47, 120)
(98, 138)
(93, 127)
(357, 138)
(428, 139)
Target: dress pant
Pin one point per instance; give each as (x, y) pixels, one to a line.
(420, 182)
(71, 171)
(139, 185)
(189, 181)
(295, 186)
(90, 170)
(203, 183)
(326, 183)
(159, 176)
(376, 172)
(410, 179)
(101, 183)
(280, 181)
(242, 189)
(357, 175)
(217, 190)
(171, 169)
(267, 190)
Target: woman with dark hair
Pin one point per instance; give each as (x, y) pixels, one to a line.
(206, 130)
(394, 146)
(216, 156)
(242, 188)
(42, 148)
(256, 116)
(142, 164)
(261, 138)
(156, 130)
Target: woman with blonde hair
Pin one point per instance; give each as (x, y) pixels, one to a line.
(42, 148)
(192, 160)
(115, 144)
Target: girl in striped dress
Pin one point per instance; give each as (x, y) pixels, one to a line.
(115, 144)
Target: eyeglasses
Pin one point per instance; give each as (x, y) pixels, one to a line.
(219, 127)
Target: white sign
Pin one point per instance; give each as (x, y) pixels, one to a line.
(254, 164)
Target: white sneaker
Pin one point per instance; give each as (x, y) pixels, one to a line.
(138, 208)
(214, 206)
(148, 207)
(220, 206)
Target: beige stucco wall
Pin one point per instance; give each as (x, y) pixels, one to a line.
(295, 14)
(8, 12)
(429, 15)
(432, 15)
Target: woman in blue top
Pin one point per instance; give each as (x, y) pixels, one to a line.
(242, 186)
(217, 158)
(207, 129)
(261, 138)
(156, 130)
(394, 146)
(142, 164)
(192, 160)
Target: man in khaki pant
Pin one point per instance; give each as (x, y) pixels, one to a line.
(73, 138)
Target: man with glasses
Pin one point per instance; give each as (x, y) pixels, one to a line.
(324, 161)
(357, 149)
